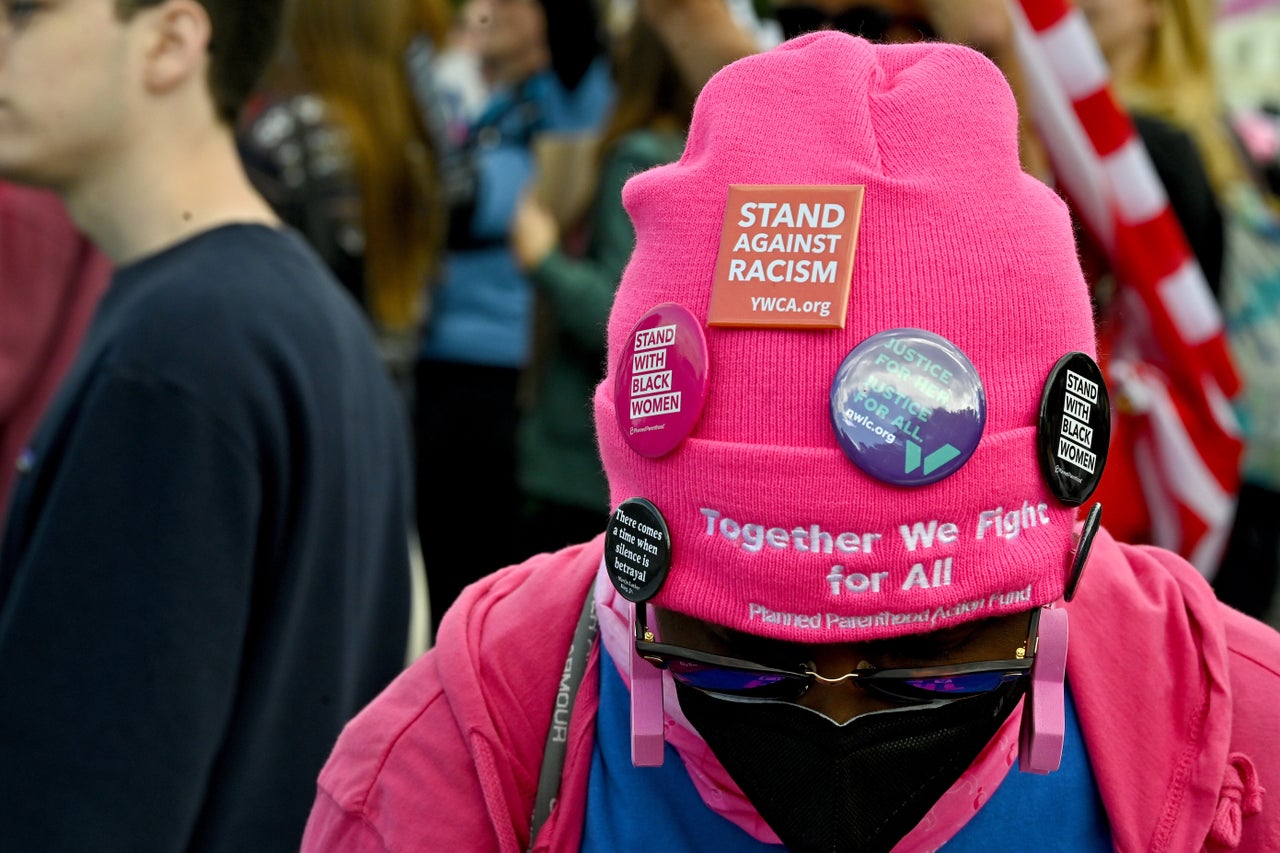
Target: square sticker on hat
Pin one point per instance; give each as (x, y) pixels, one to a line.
(786, 256)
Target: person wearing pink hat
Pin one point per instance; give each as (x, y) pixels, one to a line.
(851, 424)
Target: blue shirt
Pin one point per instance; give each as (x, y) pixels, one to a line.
(482, 312)
(658, 808)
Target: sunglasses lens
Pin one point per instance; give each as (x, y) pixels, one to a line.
(941, 687)
(735, 682)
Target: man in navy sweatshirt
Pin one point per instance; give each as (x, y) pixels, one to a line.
(205, 568)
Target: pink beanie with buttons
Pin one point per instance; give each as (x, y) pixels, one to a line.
(774, 530)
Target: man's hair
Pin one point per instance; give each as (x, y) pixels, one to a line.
(243, 42)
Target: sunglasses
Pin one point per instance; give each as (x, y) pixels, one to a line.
(744, 679)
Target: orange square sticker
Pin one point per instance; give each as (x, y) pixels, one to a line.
(786, 256)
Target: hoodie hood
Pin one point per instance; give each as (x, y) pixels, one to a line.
(1150, 666)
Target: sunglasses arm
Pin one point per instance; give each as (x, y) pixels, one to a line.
(1044, 712)
(647, 712)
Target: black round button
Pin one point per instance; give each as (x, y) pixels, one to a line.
(637, 550)
(1075, 428)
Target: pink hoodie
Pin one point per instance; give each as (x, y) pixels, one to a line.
(1176, 696)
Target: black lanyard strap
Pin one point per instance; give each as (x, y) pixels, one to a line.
(558, 735)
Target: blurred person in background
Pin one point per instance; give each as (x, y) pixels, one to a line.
(544, 65)
(1161, 58)
(346, 147)
(51, 278)
(565, 496)
(1150, 59)
(204, 571)
(703, 36)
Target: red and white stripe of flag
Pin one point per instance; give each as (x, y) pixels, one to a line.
(1189, 451)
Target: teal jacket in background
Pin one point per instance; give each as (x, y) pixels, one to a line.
(558, 460)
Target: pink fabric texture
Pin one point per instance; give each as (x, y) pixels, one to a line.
(50, 281)
(955, 239)
(1176, 696)
(1173, 690)
(448, 756)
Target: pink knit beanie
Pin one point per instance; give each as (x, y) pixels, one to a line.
(774, 530)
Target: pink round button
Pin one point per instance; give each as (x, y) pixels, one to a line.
(661, 380)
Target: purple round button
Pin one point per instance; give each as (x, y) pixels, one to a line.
(661, 380)
(908, 407)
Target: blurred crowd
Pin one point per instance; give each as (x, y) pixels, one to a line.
(459, 168)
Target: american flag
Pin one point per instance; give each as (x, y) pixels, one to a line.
(1167, 364)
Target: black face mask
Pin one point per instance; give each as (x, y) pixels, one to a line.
(861, 786)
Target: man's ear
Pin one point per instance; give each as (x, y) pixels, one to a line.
(179, 32)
